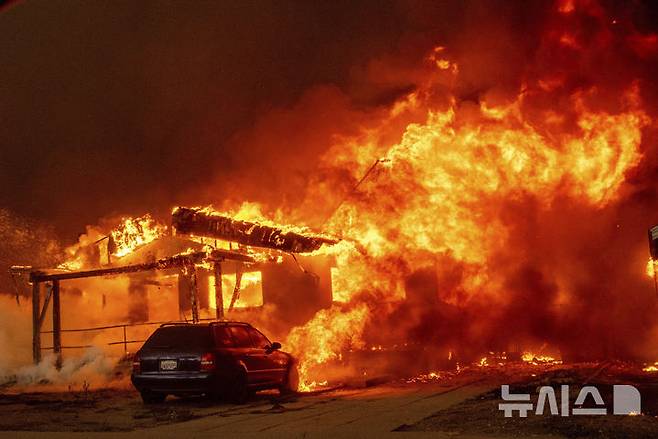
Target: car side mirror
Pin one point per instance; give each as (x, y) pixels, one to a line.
(275, 346)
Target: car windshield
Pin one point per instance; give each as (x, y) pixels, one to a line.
(180, 336)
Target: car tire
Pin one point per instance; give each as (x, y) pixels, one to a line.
(291, 381)
(238, 390)
(152, 397)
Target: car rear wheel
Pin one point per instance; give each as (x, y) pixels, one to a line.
(238, 390)
(152, 397)
(291, 381)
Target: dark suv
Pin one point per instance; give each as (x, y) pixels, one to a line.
(228, 359)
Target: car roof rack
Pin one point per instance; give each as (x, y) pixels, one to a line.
(220, 322)
(229, 322)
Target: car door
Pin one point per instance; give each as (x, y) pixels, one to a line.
(247, 354)
(271, 363)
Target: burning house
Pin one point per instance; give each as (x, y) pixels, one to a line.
(487, 182)
(210, 264)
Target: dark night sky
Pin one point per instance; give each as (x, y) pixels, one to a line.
(123, 106)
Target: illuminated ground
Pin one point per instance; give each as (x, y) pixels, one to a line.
(455, 405)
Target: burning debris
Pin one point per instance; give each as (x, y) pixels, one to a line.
(202, 222)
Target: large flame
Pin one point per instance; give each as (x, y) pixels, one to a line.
(439, 193)
(134, 232)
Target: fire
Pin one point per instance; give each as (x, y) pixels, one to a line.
(531, 358)
(449, 172)
(438, 193)
(428, 377)
(134, 232)
(650, 270)
(321, 340)
(651, 368)
(251, 293)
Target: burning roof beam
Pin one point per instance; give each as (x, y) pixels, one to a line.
(213, 225)
(177, 261)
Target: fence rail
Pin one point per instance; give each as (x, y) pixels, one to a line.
(125, 342)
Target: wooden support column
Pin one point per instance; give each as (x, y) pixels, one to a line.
(57, 325)
(219, 295)
(36, 326)
(236, 291)
(193, 294)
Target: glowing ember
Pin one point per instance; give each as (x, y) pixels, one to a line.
(651, 368)
(427, 377)
(531, 358)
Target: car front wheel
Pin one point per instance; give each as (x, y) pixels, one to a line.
(291, 381)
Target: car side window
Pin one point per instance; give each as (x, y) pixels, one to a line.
(241, 336)
(258, 340)
(223, 337)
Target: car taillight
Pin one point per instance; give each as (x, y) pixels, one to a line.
(137, 364)
(208, 361)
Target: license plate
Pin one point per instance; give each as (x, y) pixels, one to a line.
(168, 364)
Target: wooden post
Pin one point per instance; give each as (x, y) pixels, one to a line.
(57, 325)
(219, 296)
(193, 294)
(236, 290)
(36, 327)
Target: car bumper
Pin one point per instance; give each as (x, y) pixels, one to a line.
(196, 383)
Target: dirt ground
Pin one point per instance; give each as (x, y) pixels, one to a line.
(455, 404)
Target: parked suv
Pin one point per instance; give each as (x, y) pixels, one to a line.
(228, 359)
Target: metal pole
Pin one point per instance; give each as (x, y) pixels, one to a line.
(125, 341)
(36, 328)
(219, 295)
(356, 186)
(57, 325)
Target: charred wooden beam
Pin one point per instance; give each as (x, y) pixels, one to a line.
(36, 326)
(197, 222)
(57, 325)
(190, 269)
(161, 264)
(44, 308)
(236, 289)
(221, 255)
(219, 295)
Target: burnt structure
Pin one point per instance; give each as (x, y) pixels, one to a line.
(213, 225)
(297, 286)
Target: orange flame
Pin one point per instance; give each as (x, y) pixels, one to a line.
(321, 340)
(134, 232)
